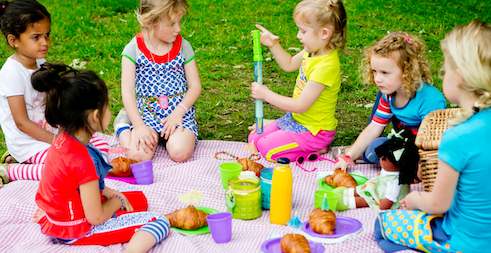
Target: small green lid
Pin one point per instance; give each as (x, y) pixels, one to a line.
(244, 184)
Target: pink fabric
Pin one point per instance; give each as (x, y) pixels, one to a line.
(273, 137)
(19, 234)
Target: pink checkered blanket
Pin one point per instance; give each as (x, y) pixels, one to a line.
(19, 234)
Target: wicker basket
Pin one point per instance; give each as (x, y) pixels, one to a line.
(428, 140)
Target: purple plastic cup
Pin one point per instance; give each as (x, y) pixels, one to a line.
(220, 225)
(143, 172)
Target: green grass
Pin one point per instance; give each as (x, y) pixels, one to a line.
(96, 31)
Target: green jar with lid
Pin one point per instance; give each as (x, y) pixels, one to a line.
(243, 198)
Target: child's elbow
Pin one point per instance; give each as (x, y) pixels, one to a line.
(300, 108)
(289, 69)
(438, 207)
(21, 125)
(198, 90)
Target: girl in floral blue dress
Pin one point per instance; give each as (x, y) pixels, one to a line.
(159, 85)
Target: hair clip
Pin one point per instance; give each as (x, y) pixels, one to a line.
(476, 109)
(408, 39)
(394, 134)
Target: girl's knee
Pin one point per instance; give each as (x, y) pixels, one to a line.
(272, 150)
(180, 153)
(253, 137)
(180, 146)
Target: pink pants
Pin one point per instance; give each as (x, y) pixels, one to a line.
(274, 142)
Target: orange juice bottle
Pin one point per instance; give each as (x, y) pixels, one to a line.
(281, 193)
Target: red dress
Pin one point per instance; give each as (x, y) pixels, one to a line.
(68, 165)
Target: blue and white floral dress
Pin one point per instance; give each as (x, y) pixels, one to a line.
(161, 81)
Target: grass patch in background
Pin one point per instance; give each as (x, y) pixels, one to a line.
(96, 31)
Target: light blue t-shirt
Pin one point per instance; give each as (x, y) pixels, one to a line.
(427, 99)
(465, 148)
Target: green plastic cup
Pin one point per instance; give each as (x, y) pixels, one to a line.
(244, 199)
(331, 196)
(228, 171)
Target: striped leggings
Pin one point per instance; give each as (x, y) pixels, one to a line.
(122, 228)
(32, 168)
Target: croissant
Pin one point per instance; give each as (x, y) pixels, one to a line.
(248, 164)
(322, 222)
(294, 243)
(341, 178)
(188, 218)
(121, 167)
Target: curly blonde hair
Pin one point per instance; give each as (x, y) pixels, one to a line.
(325, 13)
(152, 11)
(409, 53)
(468, 49)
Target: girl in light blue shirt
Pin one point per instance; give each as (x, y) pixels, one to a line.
(456, 215)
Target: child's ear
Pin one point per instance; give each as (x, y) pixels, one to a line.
(326, 33)
(94, 117)
(11, 39)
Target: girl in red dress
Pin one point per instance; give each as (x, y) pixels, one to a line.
(75, 207)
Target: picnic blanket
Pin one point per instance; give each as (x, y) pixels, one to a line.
(19, 234)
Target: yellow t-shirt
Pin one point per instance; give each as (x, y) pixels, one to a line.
(326, 70)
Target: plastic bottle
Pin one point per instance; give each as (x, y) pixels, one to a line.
(281, 193)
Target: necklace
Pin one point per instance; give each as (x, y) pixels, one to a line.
(155, 49)
(162, 101)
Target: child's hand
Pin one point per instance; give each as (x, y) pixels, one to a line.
(267, 38)
(341, 164)
(145, 136)
(172, 122)
(410, 201)
(259, 91)
(110, 193)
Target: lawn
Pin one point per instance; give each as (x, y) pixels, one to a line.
(96, 31)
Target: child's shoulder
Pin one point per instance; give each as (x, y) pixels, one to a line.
(429, 89)
(12, 72)
(428, 93)
(10, 65)
(69, 146)
(326, 63)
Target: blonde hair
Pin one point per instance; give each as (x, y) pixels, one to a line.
(325, 13)
(409, 53)
(468, 49)
(151, 11)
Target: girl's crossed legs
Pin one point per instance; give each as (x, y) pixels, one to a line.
(274, 142)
